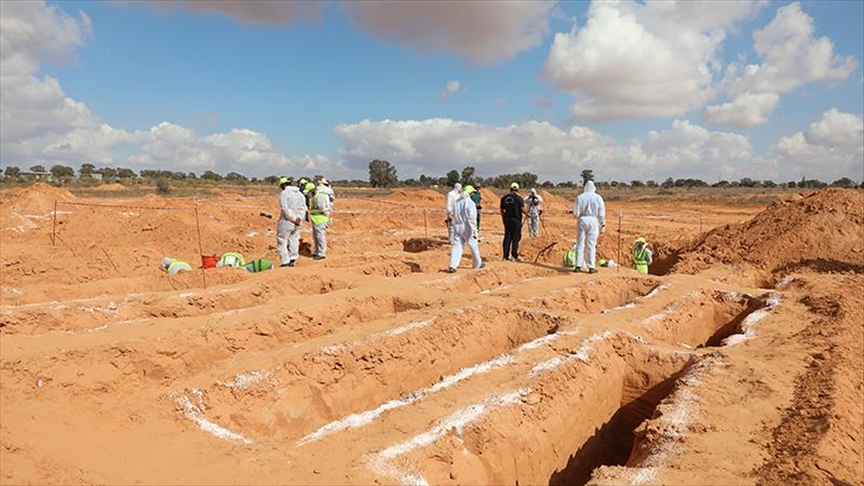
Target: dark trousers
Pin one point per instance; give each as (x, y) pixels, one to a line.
(512, 235)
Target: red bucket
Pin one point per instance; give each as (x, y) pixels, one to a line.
(209, 261)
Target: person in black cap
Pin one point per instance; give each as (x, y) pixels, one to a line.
(512, 208)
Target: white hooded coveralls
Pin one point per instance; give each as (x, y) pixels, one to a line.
(452, 197)
(534, 202)
(293, 206)
(464, 230)
(590, 210)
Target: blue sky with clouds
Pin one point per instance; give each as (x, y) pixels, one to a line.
(634, 90)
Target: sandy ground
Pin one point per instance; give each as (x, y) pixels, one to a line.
(740, 361)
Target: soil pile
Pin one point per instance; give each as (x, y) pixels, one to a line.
(418, 197)
(822, 230)
(37, 199)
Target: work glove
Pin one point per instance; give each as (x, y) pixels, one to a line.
(541, 212)
(602, 229)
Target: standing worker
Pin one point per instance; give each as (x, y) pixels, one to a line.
(535, 210)
(452, 197)
(293, 209)
(590, 210)
(464, 230)
(319, 215)
(476, 197)
(512, 208)
(324, 186)
(642, 256)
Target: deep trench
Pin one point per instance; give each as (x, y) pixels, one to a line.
(613, 442)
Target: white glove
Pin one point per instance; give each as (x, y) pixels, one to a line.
(602, 229)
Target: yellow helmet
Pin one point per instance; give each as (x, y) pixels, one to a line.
(469, 189)
(641, 240)
(308, 187)
(514, 185)
(283, 180)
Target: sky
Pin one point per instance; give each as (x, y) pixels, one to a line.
(632, 90)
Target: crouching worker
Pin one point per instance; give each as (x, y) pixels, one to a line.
(642, 256)
(464, 225)
(173, 266)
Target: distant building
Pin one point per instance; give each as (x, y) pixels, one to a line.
(35, 176)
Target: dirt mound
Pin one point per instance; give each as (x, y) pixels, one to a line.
(37, 199)
(556, 203)
(416, 196)
(822, 230)
(114, 186)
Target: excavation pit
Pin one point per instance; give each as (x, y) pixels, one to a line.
(318, 387)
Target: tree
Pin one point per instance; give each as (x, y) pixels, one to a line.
(37, 168)
(60, 171)
(383, 174)
(587, 175)
(468, 175)
(844, 182)
(211, 176)
(12, 171)
(791, 184)
(668, 183)
(125, 173)
(86, 170)
(452, 178)
(235, 177)
(636, 183)
(162, 186)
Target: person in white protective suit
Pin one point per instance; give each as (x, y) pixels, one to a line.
(464, 224)
(590, 211)
(535, 210)
(324, 186)
(452, 197)
(292, 211)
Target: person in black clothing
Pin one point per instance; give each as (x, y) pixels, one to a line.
(512, 209)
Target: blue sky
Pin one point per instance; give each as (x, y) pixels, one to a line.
(252, 88)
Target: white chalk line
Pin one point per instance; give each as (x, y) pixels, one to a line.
(580, 354)
(685, 403)
(364, 418)
(382, 462)
(247, 380)
(195, 413)
(749, 323)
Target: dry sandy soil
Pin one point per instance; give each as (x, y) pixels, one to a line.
(739, 361)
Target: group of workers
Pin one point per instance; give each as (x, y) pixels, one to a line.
(463, 222)
(304, 201)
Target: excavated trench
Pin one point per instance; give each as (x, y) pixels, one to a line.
(308, 391)
(105, 311)
(582, 414)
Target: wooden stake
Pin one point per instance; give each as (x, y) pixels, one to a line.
(619, 242)
(54, 227)
(200, 247)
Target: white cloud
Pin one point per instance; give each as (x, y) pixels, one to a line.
(435, 146)
(831, 147)
(745, 110)
(483, 32)
(500, 100)
(274, 12)
(452, 87)
(836, 128)
(791, 57)
(39, 124)
(639, 60)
